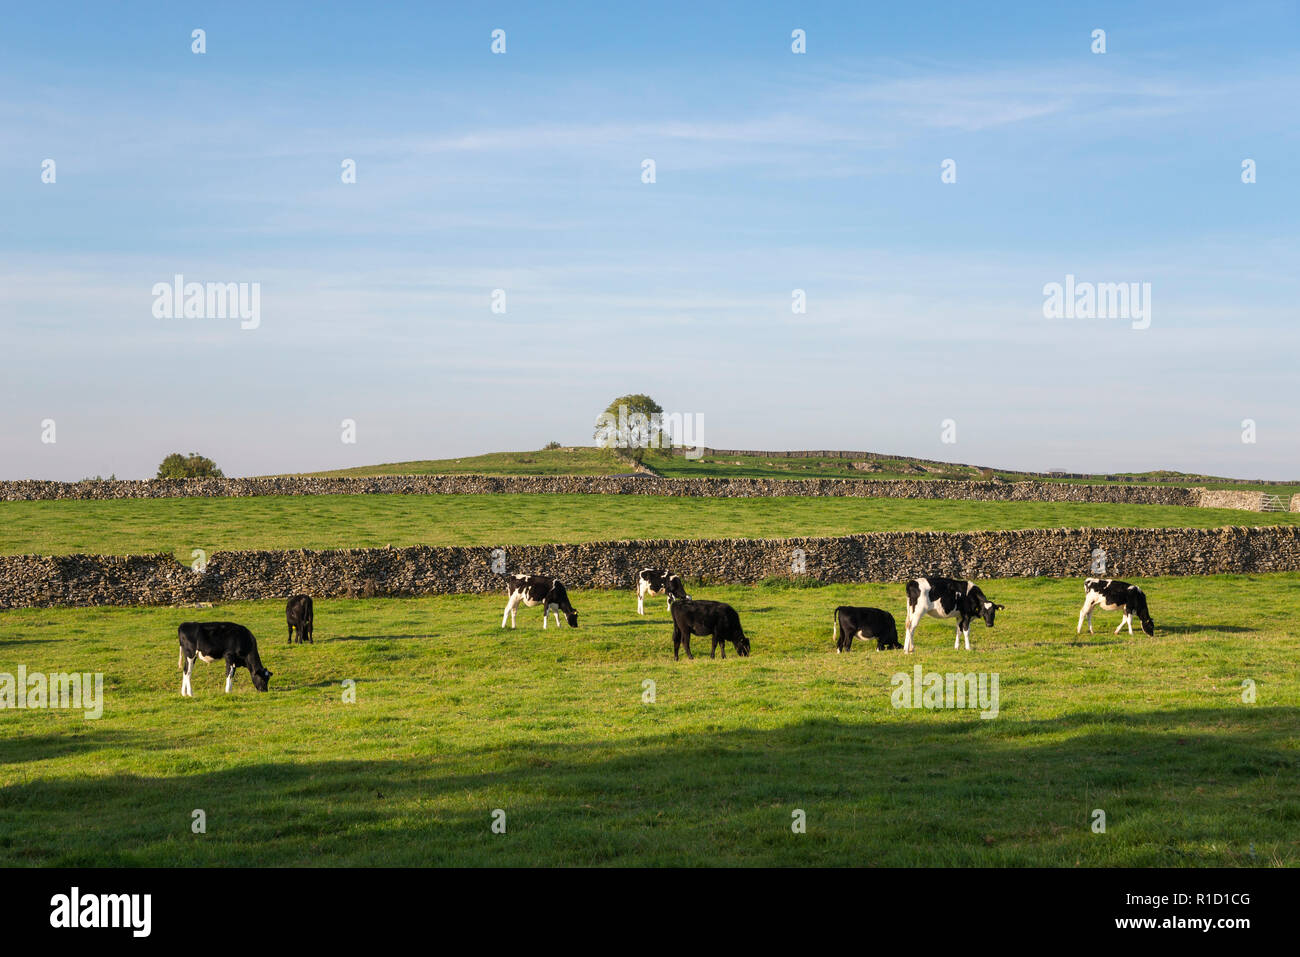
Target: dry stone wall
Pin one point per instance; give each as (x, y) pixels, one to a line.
(36, 490)
(38, 581)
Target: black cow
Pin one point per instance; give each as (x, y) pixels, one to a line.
(533, 590)
(946, 598)
(655, 582)
(298, 613)
(866, 623)
(699, 617)
(210, 640)
(1109, 594)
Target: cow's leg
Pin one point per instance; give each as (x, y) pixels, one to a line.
(230, 677)
(290, 641)
(677, 641)
(686, 642)
(556, 613)
(1120, 626)
(1083, 613)
(966, 635)
(511, 602)
(957, 641)
(187, 690)
(640, 602)
(912, 620)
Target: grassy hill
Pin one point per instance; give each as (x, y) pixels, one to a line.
(583, 460)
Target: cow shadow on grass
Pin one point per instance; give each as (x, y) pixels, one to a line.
(1190, 786)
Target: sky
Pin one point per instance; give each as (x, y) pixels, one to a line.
(774, 171)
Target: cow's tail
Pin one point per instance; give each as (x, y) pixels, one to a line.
(835, 626)
(180, 660)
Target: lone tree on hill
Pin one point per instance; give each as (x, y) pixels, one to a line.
(188, 466)
(632, 424)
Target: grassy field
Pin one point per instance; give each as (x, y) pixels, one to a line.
(454, 718)
(590, 461)
(565, 461)
(179, 525)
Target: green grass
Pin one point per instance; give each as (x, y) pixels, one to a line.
(454, 718)
(564, 461)
(590, 461)
(179, 525)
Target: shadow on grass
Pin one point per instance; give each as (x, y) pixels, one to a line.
(1193, 786)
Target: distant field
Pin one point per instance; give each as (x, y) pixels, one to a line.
(590, 461)
(179, 525)
(566, 461)
(454, 718)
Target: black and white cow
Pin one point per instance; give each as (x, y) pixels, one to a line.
(655, 582)
(534, 590)
(1109, 594)
(946, 598)
(864, 623)
(697, 616)
(298, 613)
(210, 640)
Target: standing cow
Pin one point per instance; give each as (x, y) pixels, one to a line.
(209, 640)
(946, 598)
(1110, 594)
(298, 613)
(865, 623)
(655, 582)
(700, 617)
(533, 590)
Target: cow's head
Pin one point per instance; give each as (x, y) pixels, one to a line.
(261, 678)
(1149, 626)
(988, 610)
(742, 645)
(571, 616)
(676, 590)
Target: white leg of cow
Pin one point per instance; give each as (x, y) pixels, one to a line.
(640, 603)
(966, 637)
(1083, 613)
(546, 613)
(511, 603)
(187, 689)
(1120, 626)
(956, 644)
(557, 618)
(910, 628)
(230, 677)
(1128, 620)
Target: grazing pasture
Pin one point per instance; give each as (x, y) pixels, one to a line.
(591, 461)
(454, 718)
(179, 525)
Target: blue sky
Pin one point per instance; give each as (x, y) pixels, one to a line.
(774, 172)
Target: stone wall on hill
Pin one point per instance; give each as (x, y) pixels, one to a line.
(39, 581)
(37, 490)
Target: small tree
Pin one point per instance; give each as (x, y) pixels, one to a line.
(631, 423)
(188, 466)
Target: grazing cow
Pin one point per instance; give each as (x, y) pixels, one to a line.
(697, 616)
(654, 583)
(298, 613)
(533, 590)
(1108, 594)
(864, 623)
(946, 598)
(210, 640)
